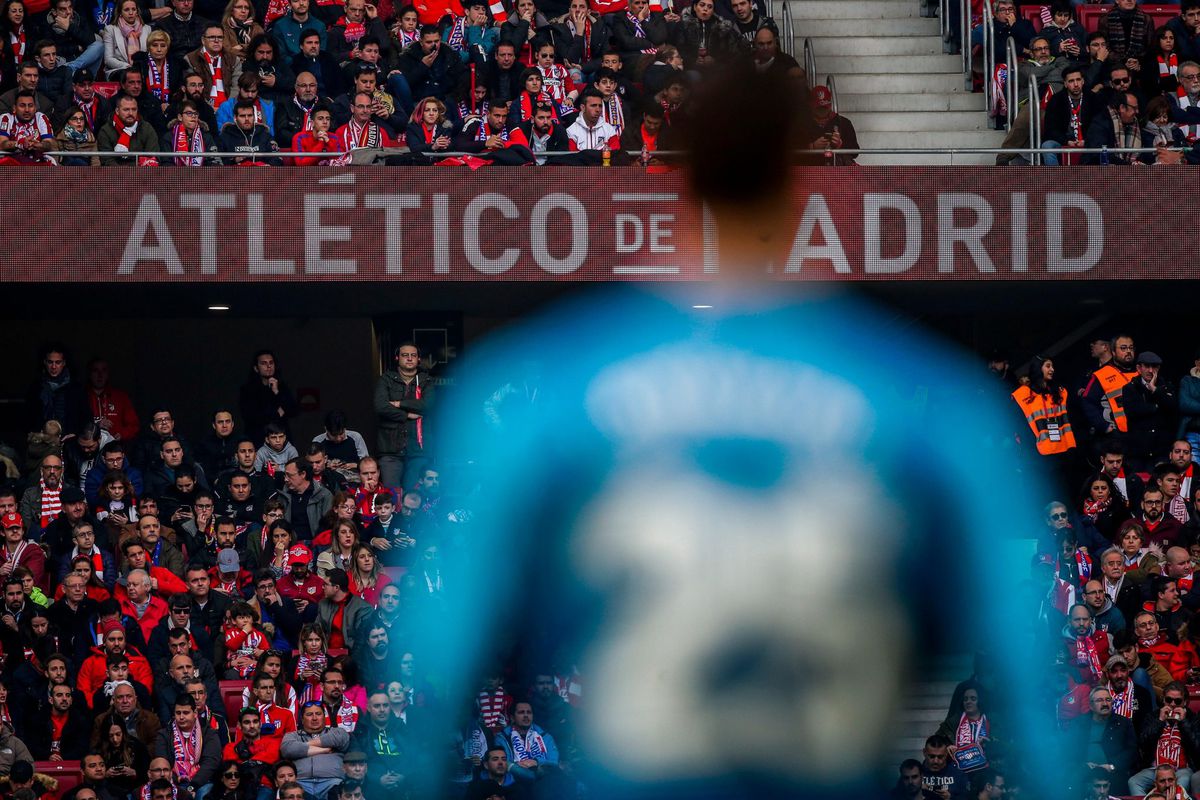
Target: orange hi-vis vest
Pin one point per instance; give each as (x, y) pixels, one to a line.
(1112, 381)
(1047, 418)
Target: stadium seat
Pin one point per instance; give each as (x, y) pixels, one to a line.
(395, 573)
(1034, 15)
(231, 698)
(1161, 14)
(1089, 16)
(69, 774)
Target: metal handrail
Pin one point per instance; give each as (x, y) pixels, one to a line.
(831, 84)
(810, 64)
(789, 32)
(989, 57)
(1035, 119)
(1011, 96)
(964, 44)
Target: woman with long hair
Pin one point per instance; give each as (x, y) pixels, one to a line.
(1043, 403)
(125, 758)
(1141, 559)
(428, 129)
(345, 536)
(1101, 503)
(125, 38)
(276, 81)
(17, 38)
(75, 136)
(94, 586)
(342, 509)
(366, 578)
(240, 27)
(271, 664)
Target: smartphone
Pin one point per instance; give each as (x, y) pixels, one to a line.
(186, 509)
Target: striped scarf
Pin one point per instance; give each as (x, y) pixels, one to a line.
(51, 503)
(185, 143)
(613, 113)
(969, 732)
(457, 40)
(1190, 132)
(187, 748)
(1118, 44)
(1168, 66)
(1122, 702)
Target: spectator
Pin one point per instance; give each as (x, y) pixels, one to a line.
(359, 21)
(640, 31)
(193, 752)
(317, 750)
(240, 29)
(125, 38)
(251, 141)
(1068, 114)
(75, 36)
(287, 31)
(264, 110)
(583, 38)
(185, 28)
(276, 79)
(430, 69)
(542, 133)
(126, 133)
(265, 397)
(504, 76)
(28, 78)
(294, 116)
(1067, 37)
(61, 735)
(316, 60)
(1150, 406)
(383, 106)
(1117, 128)
(1130, 33)
(55, 79)
(305, 502)
(531, 752)
(340, 613)
(343, 446)
(496, 773)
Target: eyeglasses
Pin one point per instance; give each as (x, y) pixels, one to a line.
(232, 774)
(1120, 81)
(1173, 701)
(1059, 515)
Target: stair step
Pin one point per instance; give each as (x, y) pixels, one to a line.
(918, 120)
(860, 9)
(922, 716)
(851, 102)
(874, 46)
(867, 28)
(885, 83)
(893, 65)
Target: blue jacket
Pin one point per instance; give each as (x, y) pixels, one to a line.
(106, 559)
(91, 485)
(1189, 403)
(524, 773)
(225, 113)
(476, 36)
(286, 32)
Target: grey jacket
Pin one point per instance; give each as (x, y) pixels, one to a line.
(357, 611)
(318, 506)
(295, 747)
(12, 750)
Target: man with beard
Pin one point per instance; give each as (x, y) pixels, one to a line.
(1112, 464)
(1107, 616)
(18, 551)
(1131, 701)
(1068, 115)
(62, 734)
(148, 108)
(239, 503)
(215, 452)
(81, 454)
(96, 111)
(383, 107)
(1170, 741)
(1161, 528)
(250, 140)
(1102, 395)
(339, 712)
(748, 20)
(320, 64)
(1083, 650)
(488, 138)
(542, 133)
(193, 89)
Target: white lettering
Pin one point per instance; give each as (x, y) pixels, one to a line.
(1056, 259)
(874, 261)
(471, 246)
(150, 218)
(256, 257)
(577, 216)
(316, 234)
(816, 214)
(659, 233)
(971, 236)
(393, 205)
(629, 233)
(1020, 230)
(441, 234)
(207, 205)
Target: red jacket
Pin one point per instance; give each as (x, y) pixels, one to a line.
(154, 612)
(114, 405)
(264, 749)
(430, 12)
(168, 584)
(33, 558)
(94, 671)
(305, 142)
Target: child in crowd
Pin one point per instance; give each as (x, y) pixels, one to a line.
(244, 641)
(273, 456)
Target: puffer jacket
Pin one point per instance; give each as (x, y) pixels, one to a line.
(12, 750)
(399, 435)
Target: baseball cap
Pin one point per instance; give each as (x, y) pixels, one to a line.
(228, 561)
(821, 96)
(71, 494)
(299, 554)
(12, 520)
(1149, 358)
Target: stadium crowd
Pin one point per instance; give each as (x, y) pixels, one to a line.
(501, 84)
(228, 613)
(1112, 591)
(1128, 83)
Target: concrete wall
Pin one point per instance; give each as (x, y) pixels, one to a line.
(193, 365)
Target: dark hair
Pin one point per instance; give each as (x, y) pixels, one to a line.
(24, 93)
(304, 34)
(273, 428)
(1177, 686)
(113, 447)
(335, 420)
(336, 576)
(241, 105)
(248, 80)
(1095, 35)
(303, 467)
(1071, 70)
(428, 29)
(911, 763)
(937, 740)
(366, 40)
(185, 700)
(259, 41)
(317, 449)
(1156, 105)
(1159, 584)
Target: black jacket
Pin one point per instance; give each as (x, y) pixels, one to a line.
(75, 736)
(185, 35)
(215, 454)
(325, 68)
(1057, 125)
(439, 80)
(259, 405)
(1152, 728)
(289, 120)
(1118, 742)
(1151, 416)
(67, 403)
(78, 36)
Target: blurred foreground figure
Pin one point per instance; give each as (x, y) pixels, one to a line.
(745, 513)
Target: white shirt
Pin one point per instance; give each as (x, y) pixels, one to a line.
(586, 138)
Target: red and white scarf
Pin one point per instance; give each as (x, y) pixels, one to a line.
(275, 10)
(188, 144)
(457, 40)
(586, 33)
(1168, 66)
(362, 135)
(216, 95)
(353, 30)
(51, 501)
(124, 135)
(481, 135)
(499, 13)
(1087, 656)
(1190, 132)
(969, 732)
(493, 708)
(1169, 749)
(307, 126)
(187, 751)
(17, 40)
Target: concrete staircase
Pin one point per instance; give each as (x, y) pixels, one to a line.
(926, 702)
(893, 80)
